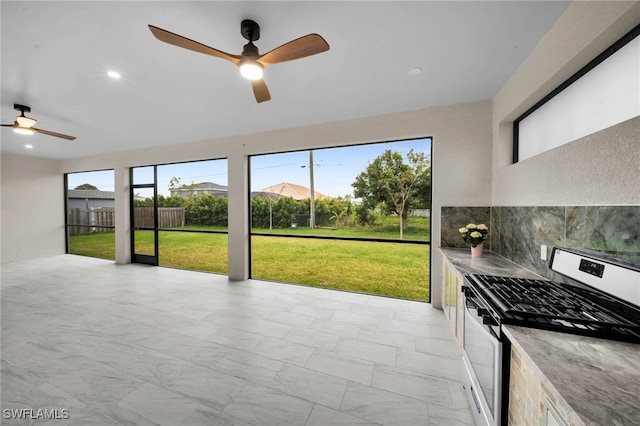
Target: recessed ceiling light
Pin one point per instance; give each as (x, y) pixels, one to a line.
(113, 74)
(28, 146)
(415, 71)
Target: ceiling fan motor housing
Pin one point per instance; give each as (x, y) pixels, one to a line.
(21, 108)
(250, 30)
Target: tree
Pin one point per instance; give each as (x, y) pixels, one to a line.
(400, 186)
(86, 186)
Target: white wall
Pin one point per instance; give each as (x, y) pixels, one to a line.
(32, 209)
(600, 169)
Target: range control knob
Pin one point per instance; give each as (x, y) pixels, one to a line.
(486, 319)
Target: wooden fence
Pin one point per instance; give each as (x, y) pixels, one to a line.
(168, 217)
(93, 219)
(90, 220)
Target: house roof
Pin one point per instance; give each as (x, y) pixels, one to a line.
(297, 192)
(205, 185)
(90, 193)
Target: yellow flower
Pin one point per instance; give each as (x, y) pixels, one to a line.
(471, 226)
(463, 230)
(482, 227)
(475, 234)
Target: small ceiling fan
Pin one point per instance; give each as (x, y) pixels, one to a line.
(24, 125)
(250, 62)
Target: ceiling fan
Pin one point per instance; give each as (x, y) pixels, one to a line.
(24, 125)
(250, 62)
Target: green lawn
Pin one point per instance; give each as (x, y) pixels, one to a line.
(390, 269)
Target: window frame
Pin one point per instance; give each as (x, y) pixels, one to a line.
(623, 41)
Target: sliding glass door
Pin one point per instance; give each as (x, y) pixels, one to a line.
(144, 215)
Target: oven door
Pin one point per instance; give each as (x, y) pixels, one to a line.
(482, 358)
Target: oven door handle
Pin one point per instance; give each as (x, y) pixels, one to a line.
(486, 330)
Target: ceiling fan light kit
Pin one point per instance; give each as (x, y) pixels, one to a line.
(22, 131)
(24, 125)
(250, 62)
(251, 70)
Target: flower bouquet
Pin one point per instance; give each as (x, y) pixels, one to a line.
(474, 235)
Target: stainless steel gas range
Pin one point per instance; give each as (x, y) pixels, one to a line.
(591, 294)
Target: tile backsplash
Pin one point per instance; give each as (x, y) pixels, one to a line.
(517, 232)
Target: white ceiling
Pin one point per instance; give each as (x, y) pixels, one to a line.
(55, 56)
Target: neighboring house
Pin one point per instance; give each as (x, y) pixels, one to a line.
(89, 198)
(199, 189)
(297, 192)
(284, 189)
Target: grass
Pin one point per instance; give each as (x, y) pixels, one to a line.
(398, 270)
(389, 269)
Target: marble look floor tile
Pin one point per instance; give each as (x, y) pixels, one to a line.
(405, 327)
(234, 338)
(342, 366)
(439, 347)
(255, 325)
(442, 416)
(383, 407)
(336, 327)
(381, 312)
(421, 317)
(259, 405)
(323, 416)
(374, 352)
(160, 406)
(388, 338)
(440, 332)
(311, 385)
(249, 366)
(354, 318)
(283, 350)
(392, 303)
(431, 365)
(187, 348)
(314, 311)
(209, 387)
(139, 345)
(289, 318)
(413, 384)
(313, 338)
(23, 391)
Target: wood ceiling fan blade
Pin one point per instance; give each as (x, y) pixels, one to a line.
(57, 135)
(260, 91)
(7, 125)
(302, 47)
(186, 43)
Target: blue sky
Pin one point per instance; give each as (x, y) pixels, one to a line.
(334, 169)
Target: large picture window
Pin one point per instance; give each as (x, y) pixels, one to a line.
(90, 214)
(602, 94)
(192, 214)
(355, 218)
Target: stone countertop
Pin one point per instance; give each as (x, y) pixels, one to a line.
(599, 379)
(489, 264)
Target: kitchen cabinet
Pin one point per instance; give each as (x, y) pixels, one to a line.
(452, 299)
(530, 400)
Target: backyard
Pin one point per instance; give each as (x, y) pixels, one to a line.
(383, 268)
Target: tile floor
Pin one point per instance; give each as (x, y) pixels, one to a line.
(106, 344)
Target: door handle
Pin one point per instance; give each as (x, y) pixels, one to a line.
(475, 399)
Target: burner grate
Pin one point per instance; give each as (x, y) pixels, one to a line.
(548, 302)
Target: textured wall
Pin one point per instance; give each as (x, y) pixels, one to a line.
(600, 169)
